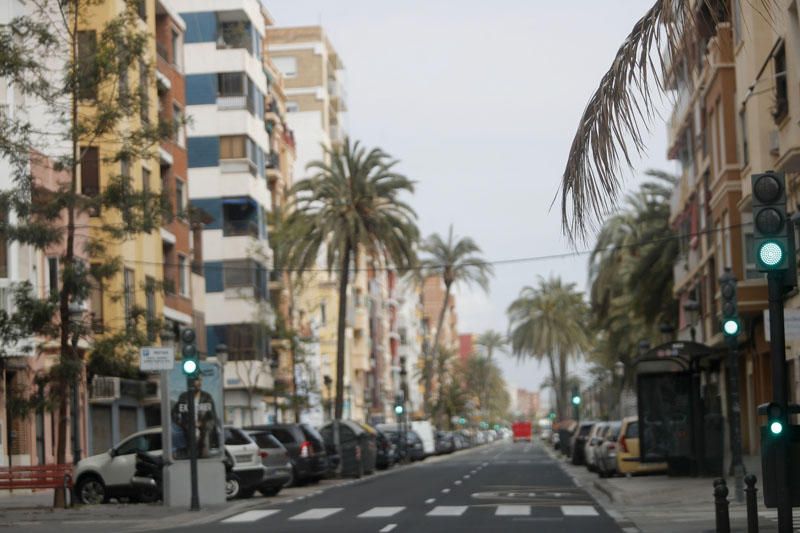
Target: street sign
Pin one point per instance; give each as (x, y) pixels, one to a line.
(153, 358)
(791, 323)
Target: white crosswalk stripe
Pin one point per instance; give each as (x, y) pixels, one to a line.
(578, 510)
(381, 512)
(447, 510)
(513, 510)
(317, 514)
(249, 516)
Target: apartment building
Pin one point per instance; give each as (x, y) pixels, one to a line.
(407, 292)
(228, 151)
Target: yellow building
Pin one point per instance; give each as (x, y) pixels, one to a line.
(137, 284)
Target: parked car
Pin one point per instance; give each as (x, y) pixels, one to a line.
(276, 462)
(107, 475)
(578, 442)
(412, 449)
(628, 457)
(592, 442)
(248, 471)
(358, 447)
(606, 453)
(386, 454)
(445, 442)
(306, 449)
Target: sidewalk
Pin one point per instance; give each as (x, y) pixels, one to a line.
(661, 504)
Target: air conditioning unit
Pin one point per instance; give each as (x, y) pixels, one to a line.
(774, 143)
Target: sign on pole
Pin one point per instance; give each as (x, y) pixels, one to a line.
(153, 358)
(791, 324)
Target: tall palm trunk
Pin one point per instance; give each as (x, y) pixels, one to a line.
(340, 331)
(562, 383)
(433, 350)
(556, 385)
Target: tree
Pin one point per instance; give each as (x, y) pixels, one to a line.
(81, 82)
(456, 260)
(492, 340)
(349, 206)
(610, 129)
(549, 321)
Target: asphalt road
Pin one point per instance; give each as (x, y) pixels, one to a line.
(500, 487)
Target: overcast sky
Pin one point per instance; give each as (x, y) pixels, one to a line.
(480, 101)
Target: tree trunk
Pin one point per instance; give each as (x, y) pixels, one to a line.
(434, 350)
(562, 382)
(66, 350)
(556, 386)
(340, 332)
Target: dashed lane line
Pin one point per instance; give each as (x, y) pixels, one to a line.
(249, 516)
(447, 510)
(430, 501)
(387, 528)
(579, 510)
(381, 512)
(317, 514)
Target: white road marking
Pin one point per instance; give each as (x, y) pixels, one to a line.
(388, 528)
(578, 510)
(466, 476)
(317, 514)
(249, 516)
(458, 482)
(447, 510)
(430, 500)
(381, 512)
(445, 491)
(513, 510)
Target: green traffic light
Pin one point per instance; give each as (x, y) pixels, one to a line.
(576, 400)
(770, 253)
(398, 409)
(189, 366)
(776, 428)
(730, 327)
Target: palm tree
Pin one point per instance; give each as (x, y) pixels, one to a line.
(492, 340)
(611, 127)
(457, 260)
(349, 206)
(548, 322)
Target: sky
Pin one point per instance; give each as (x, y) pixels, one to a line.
(479, 101)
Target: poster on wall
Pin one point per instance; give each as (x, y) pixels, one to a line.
(207, 397)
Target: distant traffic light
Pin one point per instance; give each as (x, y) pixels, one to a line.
(189, 363)
(770, 223)
(776, 419)
(398, 409)
(552, 415)
(731, 326)
(576, 398)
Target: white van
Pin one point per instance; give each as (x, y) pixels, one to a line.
(424, 429)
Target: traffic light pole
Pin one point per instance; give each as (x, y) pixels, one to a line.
(735, 417)
(775, 281)
(195, 500)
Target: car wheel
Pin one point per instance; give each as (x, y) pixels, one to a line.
(91, 490)
(272, 491)
(232, 487)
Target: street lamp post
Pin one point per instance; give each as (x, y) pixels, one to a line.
(328, 384)
(404, 417)
(619, 371)
(273, 365)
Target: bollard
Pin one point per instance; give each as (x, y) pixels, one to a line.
(721, 506)
(752, 503)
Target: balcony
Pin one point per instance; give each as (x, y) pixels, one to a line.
(227, 103)
(238, 165)
(109, 389)
(273, 166)
(337, 94)
(239, 228)
(271, 114)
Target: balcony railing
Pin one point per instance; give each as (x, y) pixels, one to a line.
(236, 102)
(113, 388)
(273, 161)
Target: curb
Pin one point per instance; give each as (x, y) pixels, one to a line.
(604, 489)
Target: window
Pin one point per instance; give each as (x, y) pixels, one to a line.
(129, 297)
(146, 193)
(180, 199)
(323, 313)
(233, 147)
(88, 80)
(124, 88)
(177, 50)
(292, 107)
(781, 90)
(745, 144)
(141, 9)
(241, 342)
(177, 124)
(750, 268)
(238, 154)
(231, 83)
(125, 173)
(183, 275)
(144, 93)
(287, 65)
(3, 247)
(239, 274)
(234, 437)
(90, 171)
(234, 34)
(150, 306)
(52, 276)
(239, 217)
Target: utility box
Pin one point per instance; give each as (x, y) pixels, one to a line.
(210, 483)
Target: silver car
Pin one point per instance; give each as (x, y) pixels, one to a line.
(276, 462)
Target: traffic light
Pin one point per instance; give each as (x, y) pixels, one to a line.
(398, 409)
(576, 398)
(731, 326)
(770, 223)
(552, 415)
(776, 419)
(189, 363)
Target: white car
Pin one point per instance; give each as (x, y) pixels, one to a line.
(108, 475)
